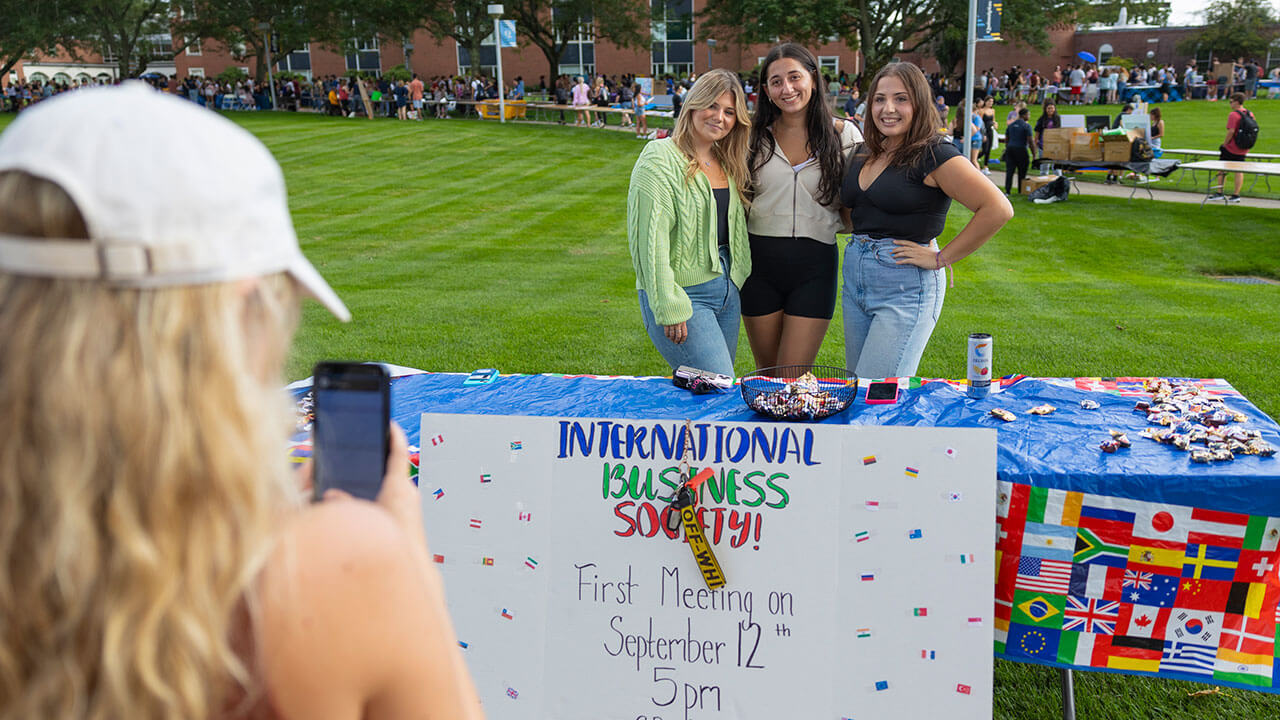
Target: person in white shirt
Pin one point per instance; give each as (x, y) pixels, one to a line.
(796, 159)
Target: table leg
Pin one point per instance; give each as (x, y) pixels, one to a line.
(1068, 695)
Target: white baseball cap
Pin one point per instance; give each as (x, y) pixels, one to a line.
(171, 194)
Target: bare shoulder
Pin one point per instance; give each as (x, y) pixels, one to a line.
(338, 572)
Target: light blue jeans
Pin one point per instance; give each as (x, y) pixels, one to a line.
(890, 310)
(713, 330)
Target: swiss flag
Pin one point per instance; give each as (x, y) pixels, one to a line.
(1257, 566)
(1143, 621)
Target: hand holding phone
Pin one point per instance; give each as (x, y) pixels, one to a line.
(350, 435)
(882, 393)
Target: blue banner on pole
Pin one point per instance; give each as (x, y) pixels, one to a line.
(989, 13)
(507, 32)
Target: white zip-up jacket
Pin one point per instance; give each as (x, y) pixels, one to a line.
(784, 204)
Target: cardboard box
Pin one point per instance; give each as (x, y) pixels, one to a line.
(1036, 181)
(1118, 148)
(1057, 143)
(1087, 147)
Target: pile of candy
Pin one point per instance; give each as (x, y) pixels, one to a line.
(800, 399)
(1190, 416)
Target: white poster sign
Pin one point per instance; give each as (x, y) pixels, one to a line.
(859, 566)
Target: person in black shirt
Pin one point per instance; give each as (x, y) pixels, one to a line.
(898, 188)
(1017, 140)
(1048, 121)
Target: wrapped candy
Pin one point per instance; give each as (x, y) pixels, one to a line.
(1045, 409)
(1003, 414)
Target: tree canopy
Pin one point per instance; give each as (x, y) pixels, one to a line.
(1235, 29)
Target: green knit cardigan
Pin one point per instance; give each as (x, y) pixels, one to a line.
(671, 231)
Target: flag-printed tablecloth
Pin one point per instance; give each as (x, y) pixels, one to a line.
(1099, 582)
(1137, 561)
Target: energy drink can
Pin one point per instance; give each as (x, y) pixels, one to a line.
(979, 365)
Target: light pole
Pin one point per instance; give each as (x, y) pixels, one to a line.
(495, 12)
(711, 45)
(265, 29)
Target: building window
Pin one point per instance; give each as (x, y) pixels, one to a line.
(1105, 52)
(196, 72)
(829, 66)
(195, 48)
(366, 58)
(161, 46)
(672, 32)
(298, 61)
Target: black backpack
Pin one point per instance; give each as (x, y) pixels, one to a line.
(1246, 131)
(1140, 151)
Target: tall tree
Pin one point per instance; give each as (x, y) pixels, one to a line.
(33, 26)
(131, 31)
(467, 22)
(881, 29)
(551, 25)
(1234, 29)
(1137, 12)
(1022, 22)
(235, 23)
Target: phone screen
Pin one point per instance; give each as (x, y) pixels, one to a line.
(883, 392)
(352, 410)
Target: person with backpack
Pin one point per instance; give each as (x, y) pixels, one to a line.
(1242, 133)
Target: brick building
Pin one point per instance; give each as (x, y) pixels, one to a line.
(675, 50)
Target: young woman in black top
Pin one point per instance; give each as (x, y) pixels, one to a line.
(899, 186)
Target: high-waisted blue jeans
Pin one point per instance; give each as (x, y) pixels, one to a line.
(890, 310)
(712, 343)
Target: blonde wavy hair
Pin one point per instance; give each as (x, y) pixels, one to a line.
(731, 150)
(141, 476)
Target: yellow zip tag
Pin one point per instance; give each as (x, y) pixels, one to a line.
(701, 549)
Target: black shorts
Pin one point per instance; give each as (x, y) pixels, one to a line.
(794, 275)
(1225, 154)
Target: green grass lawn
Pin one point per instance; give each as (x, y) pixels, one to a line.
(466, 244)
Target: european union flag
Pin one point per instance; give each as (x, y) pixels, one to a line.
(1033, 642)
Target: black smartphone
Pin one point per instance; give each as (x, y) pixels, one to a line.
(350, 436)
(882, 393)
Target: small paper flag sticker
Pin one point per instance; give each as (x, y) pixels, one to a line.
(882, 685)
(868, 577)
(915, 534)
(920, 612)
(486, 477)
(507, 614)
(963, 689)
(869, 460)
(476, 522)
(439, 493)
(863, 632)
(487, 561)
(437, 440)
(928, 655)
(438, 558)
(862, 536)
(531, 563)
(911, 472)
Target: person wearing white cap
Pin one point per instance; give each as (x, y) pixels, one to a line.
(160, 561)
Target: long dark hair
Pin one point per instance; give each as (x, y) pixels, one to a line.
(923, 133)
(823, 143)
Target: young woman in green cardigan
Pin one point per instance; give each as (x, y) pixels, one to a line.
(687, 228)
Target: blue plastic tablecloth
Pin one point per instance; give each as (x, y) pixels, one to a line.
(1058, 451)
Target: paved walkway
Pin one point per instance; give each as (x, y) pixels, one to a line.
(1185, 195)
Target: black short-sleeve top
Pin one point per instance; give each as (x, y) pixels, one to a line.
(898, 204)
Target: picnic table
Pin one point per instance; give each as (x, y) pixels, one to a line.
(1263, 170)
(1138, 561)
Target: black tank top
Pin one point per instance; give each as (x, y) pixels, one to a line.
(722, 215)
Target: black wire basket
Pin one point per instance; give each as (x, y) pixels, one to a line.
(799, 392)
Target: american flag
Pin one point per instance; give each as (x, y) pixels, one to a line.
(1091, 615)
(1042, 575)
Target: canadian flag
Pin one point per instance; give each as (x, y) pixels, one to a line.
(1142, 621)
